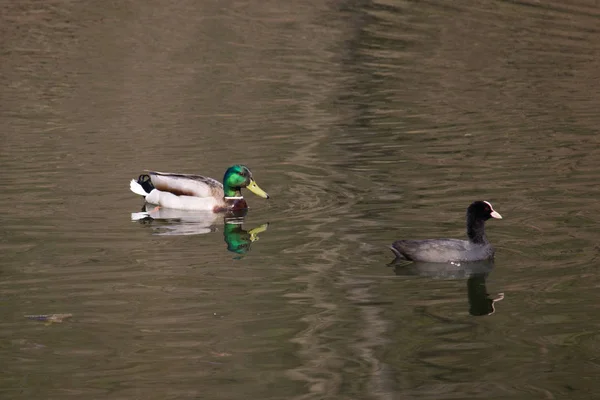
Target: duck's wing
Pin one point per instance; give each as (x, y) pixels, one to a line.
(187, 184)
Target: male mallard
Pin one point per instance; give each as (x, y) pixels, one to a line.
(197, 192)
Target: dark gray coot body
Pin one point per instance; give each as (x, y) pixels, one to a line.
(477, 248)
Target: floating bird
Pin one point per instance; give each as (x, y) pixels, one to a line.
(197, 192)
(453, 250)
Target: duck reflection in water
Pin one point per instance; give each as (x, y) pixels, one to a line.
(239, 240)
(476, 273)
(171, 222)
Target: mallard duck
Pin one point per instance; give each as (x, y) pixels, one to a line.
(197, 192)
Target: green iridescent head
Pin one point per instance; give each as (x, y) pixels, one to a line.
(238, 177)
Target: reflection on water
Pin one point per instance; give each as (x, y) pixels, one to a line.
(368, 121)
(167, 221)
(480, 303)
(475, 273)
(171, 222)
(239, 240)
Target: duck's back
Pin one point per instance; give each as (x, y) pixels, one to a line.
(187, 184)
(442, 250)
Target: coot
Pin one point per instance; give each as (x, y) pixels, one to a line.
(453, 250)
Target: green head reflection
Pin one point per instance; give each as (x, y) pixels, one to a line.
(238, 239)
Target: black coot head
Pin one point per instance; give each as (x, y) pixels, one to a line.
(482, 210)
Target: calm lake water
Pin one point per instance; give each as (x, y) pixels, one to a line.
(366, 122)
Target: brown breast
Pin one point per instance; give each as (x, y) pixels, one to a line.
(234, 205)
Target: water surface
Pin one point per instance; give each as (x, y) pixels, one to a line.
(366, 122)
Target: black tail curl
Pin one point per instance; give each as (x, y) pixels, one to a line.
(145, 182)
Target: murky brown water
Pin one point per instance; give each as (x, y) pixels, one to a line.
(366, 122)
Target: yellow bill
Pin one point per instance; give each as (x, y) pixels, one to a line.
(253, 187)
